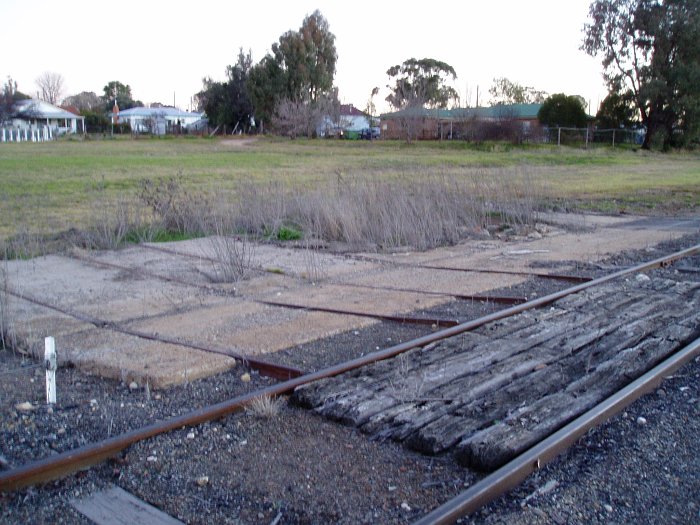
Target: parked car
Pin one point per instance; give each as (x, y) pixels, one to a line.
(369, 133)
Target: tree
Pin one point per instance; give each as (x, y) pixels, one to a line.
(371, 109)
(561, 110)
(615, 111)
(9, 96)
(504, 91)
(266, 86)
(85, 101)
(421, 83)
(308, 58)
(299, 70)
(651, 53)
(50, 87)
(115, 90)
(229, 103)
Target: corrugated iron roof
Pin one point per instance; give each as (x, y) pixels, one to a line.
(162, 111)
(33, 108)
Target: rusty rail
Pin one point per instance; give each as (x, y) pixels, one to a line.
(71, 461)
(263, 367)
(357, 313)
(517, 470)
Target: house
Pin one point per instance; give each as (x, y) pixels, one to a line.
(36, 120)
(500, 121)
(350, 120)
(158, 121)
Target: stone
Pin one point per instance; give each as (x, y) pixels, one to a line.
(133, 386)
(245, 378)
(641, 420)
(202, 481)
(24, 407)
(608, 508)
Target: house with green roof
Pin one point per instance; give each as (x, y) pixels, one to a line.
(502, 121)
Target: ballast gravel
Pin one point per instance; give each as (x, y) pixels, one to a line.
(285, 465)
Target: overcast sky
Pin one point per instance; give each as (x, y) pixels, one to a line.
(162, 49)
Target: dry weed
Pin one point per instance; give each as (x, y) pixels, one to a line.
(265, 407)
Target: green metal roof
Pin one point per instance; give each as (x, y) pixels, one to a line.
(518, 111)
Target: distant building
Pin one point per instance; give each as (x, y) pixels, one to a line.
(435, 124)
(158, 121)
(350, 119)
(38, 112)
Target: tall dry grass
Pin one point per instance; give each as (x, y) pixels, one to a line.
(420, 211)
(379, 211)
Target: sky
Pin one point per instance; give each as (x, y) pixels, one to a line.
(163, 49)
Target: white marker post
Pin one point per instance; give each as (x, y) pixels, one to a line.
(50, 362)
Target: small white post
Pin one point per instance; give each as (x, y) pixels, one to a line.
(50, 362)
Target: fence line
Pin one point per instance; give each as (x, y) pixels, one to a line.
(27, 134)
(613, 136)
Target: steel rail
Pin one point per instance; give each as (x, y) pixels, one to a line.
(278, 304)
(500, 299)
(71, 461)
(559, 277)
(465, 297)
(517, 470)
(356, 313)
(263, 367)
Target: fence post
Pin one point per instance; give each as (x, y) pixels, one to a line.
(586, 137)
(50, 362)
(558, 136)
(613, 145)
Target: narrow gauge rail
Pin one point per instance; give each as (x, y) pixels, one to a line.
(68, 462)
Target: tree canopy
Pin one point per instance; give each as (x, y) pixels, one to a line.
(299, 71)
(229, 103)
(85, 101)
(505, 91)
(421, 83)
(8, 97)
(122, 93)
(50, 87)
(650, 52)
(615, 111)
(563, 111)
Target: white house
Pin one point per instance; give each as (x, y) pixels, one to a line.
(349, 119)
(158, 120)
(36, 120)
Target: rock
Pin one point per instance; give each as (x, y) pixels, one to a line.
(152, 459)
(202, 481)
(405, 506)
(133, 386)
(608, 508)
(641, 278)
(641, 420)
(245, 378)
(24, 407)
(190, 435)
(61, 431)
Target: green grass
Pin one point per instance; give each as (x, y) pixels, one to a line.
(51, 187)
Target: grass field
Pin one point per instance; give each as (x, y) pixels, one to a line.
(47, 188)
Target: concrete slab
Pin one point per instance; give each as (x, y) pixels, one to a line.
(168, 290)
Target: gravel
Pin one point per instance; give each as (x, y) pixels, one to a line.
(289, 465)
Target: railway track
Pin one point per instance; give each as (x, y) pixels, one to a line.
(501, 480)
